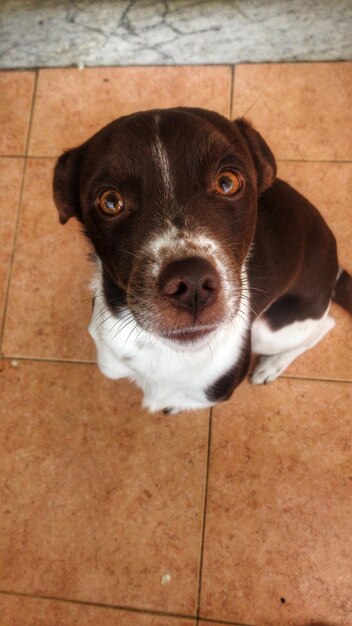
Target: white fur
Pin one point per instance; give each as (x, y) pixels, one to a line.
(161, 159)
(171, 375)
(279, 348)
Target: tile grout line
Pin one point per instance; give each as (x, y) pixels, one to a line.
(39, 359)
(205, 503)
(315, 379)
(92, 603)
(128, 66)
(36, 68)
(29, 156)
(116, 607)
(19, 208)
(9, 271)
(208, 620)
(43, 359)
(212, 620)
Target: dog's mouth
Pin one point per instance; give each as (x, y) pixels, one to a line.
(189, 334)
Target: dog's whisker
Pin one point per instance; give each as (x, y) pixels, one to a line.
(126, 324)
(105, 320)
(133, 329)
(92, 297)
(120, 320)
(254, 103)
(106, 310)
(87, 299)
(137, 256)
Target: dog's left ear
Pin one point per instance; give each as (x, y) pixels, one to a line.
(262, 156)
(66, 185)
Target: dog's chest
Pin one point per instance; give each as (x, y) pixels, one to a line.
(168, 376)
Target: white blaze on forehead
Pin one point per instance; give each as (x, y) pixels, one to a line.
(161, 160)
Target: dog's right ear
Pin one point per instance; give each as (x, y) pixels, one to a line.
(263, 158)
(66, 185)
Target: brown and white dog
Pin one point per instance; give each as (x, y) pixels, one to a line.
(202, 255)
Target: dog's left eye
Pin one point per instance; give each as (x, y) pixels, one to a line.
(110, 202)
(227, 183)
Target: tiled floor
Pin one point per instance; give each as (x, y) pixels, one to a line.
(113, 516)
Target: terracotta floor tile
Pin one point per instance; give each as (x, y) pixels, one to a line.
(16, 90)
(278, 545)
(49, 303)
(22, 611)
(329, 187)
(100, 500)
(10, 183)
(303, 109)
(71, 105)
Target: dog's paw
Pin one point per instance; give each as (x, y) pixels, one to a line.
(268, 369)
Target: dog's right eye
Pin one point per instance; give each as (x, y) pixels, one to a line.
(110, 202)
(227, 183)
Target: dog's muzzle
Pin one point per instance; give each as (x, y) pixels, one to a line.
(190, 285)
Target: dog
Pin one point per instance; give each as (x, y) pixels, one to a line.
(203, 256)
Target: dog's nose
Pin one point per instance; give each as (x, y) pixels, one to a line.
(190, 284)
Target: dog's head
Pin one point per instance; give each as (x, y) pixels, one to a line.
(168, 199)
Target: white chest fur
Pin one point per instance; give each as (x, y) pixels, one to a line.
(170, 375)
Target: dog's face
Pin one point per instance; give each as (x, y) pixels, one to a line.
(168, 199)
